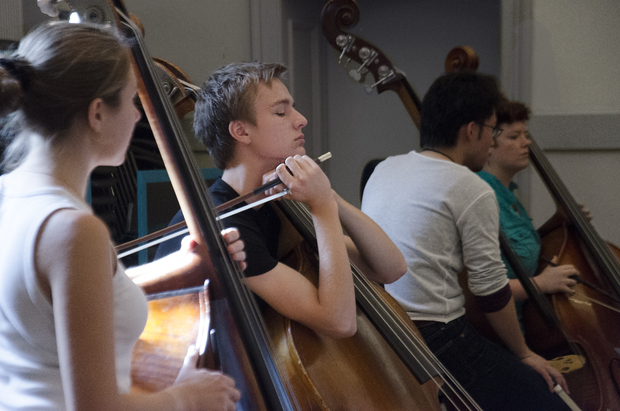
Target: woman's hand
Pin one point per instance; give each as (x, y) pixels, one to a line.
(235, 246)
(557, 279)
(201, 389)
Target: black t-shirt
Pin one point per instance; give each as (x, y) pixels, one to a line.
(259, 230)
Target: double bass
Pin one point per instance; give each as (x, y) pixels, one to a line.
(242, 340)
(590, 317)
(586, 323)
(245, 348)
(387, 355)
(578, 332)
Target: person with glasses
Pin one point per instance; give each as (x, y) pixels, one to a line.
(445, 219)
(497, 131)
(506, 158)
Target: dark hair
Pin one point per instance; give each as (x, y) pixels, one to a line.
(14, 75)
(55, 73)
(455, 99)
(510, 112)
(229, 95)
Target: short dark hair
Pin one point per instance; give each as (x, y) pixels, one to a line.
(510, 112)
(229, 95)
(455, 99)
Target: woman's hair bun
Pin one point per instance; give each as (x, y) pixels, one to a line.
(18, 68)
(14, 81)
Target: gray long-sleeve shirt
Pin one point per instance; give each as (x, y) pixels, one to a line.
(443, 218)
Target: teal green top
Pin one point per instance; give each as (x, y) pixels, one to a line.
(517, 225)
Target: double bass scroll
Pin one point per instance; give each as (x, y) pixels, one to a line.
(461, 58)
(339, 15)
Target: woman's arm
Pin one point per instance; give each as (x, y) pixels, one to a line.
(187, 265)
(553, 279)
(75, 264)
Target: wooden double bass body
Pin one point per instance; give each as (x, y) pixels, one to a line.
(177, 319)
(590, 318)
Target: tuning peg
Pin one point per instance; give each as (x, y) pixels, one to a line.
(357, 76)
(368, 56)
(344, 42)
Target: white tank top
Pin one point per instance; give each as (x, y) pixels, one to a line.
(29, 366)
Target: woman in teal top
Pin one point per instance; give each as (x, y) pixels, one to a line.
(509, 156)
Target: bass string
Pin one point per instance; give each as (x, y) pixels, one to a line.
(595, 243)
(451, 385)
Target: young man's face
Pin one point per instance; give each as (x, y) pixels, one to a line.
(278, 130)
(484, 143)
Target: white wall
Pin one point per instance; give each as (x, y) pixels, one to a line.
(576, 60)
(197, 36)
(10, 20)
(572, 56)
(31, 15)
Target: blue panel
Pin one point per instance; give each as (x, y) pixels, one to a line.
(157, 176)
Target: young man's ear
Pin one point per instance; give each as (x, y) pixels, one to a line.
(466, 133)
(473, 131)
(238, 131)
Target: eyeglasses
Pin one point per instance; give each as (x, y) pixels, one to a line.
(496, 131)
